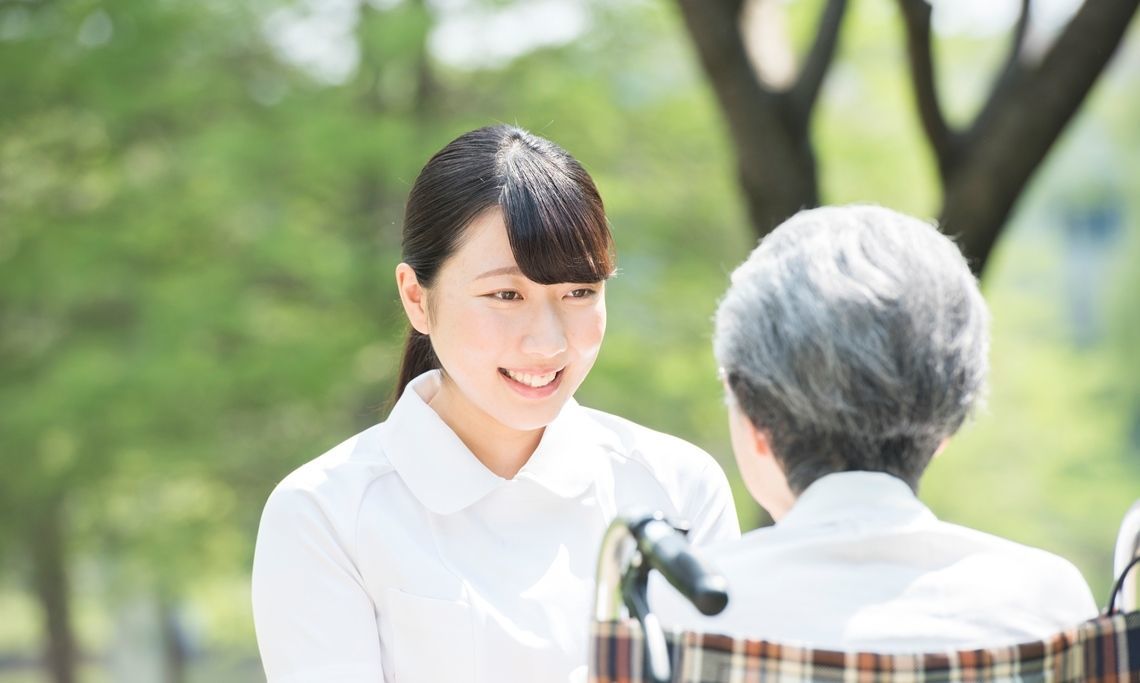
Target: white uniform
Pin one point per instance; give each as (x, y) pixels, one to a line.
(859, 563)
(397, 556)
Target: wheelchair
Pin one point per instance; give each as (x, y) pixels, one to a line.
(629, 645)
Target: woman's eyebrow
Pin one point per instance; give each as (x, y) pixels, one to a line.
(505, 270)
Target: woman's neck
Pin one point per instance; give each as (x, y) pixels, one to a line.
(501, 449)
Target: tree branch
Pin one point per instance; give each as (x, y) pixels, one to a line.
(806, 90)
(1055, 87)
(1086, 44)
(715, 28)
(916, 18)
(1005, 79)
(1022, 119)
(1018, 41)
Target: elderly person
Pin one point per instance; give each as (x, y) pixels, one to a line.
(853, 343)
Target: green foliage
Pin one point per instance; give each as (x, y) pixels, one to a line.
(197, 242)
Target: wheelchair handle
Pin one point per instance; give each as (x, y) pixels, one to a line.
(632, 546)
(1127, 548)
(667, 551)
(647, 538)
(617, 553)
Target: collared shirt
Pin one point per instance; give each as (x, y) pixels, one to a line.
(397, 556)
(859, 563)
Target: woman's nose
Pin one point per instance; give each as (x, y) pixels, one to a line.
(546, 334)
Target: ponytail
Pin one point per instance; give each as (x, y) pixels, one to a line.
(419, 357)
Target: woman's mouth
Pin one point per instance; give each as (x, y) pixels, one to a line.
(535, 381)
(532, 384)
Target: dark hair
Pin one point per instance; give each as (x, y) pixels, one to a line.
(555, 219)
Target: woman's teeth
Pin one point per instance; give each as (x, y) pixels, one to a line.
(535, 381)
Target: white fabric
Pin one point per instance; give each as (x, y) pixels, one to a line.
(860, 563)
(397, 556)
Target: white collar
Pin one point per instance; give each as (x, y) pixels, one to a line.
(446, 477)
(855, 497)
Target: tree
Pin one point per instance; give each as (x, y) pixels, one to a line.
(172, 235)
(983, 166)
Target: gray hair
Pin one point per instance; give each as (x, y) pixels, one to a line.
(856, 338)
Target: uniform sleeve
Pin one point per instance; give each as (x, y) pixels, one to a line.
(710, 509)
(315, 622)
(1070, 599)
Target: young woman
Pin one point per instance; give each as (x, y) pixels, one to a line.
(456, 541)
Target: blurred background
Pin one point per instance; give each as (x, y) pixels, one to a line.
(200, 206)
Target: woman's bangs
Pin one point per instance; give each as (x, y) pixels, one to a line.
(556, 223)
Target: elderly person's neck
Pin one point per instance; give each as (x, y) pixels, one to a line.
(760, 467)
(773, 492)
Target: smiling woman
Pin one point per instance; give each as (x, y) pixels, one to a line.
(514, 350)
(504, 283)
(456, 540)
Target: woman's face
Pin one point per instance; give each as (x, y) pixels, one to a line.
(513, 350)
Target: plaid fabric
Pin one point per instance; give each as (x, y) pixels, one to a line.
(1104, 650)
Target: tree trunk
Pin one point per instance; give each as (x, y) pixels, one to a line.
(51, 584)
(775, 160)
(1027, 112)
(984, 168)
(778, 180)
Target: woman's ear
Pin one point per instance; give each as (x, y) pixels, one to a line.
(941, 447)
(414, 298)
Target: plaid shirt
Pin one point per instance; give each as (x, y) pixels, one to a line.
(1103, 650)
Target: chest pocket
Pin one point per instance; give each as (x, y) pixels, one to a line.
(434, 639)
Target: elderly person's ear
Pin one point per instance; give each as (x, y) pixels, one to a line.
(759, 468)
(755, 439)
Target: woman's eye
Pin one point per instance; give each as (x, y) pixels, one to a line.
(506, 295)
(583, 293)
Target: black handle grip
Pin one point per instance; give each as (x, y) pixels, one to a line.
(667, 551)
